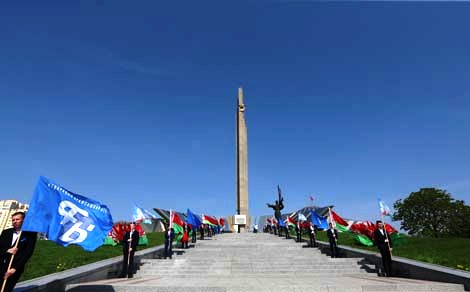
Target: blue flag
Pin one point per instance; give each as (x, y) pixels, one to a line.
(192, 219)
(319, 221)
(67, 218)
(281, 222)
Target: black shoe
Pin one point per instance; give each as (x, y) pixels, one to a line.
(130, 276)
(121, 276)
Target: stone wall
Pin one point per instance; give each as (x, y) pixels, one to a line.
(105, 269)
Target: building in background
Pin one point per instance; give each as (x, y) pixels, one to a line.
(7, 208)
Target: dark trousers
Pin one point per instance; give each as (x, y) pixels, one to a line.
(386, 261)
(127, 270)
(287, 232)
(168, 249)
(12, 280)
(312, 240)
(193, 238)
(299, 236)
(334, 249)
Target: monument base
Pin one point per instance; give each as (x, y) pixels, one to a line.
(239, 223)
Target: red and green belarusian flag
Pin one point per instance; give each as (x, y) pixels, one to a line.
(363, 230)
(338, 222)
(209, 220)
(343, 226)
(291, 223)
(177, 224)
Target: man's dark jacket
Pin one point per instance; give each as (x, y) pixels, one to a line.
(134, 242)
(25, 248)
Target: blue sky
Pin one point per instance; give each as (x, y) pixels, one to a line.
(135, 103)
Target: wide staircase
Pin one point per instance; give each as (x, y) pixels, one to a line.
(257, 262)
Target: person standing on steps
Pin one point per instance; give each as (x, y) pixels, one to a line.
(311, 234)
(129, 247)
(298, 230)
(169, 236)
(333, 239)
(384, 244)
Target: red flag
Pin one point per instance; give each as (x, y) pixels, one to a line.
(209, 220)
(175, 218)
(221, 222)
(389, 228)
(338, 219)
(291, 221)
(366, 228)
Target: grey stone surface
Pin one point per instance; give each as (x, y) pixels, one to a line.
(407, 268)
(104, 269)
(257, 262)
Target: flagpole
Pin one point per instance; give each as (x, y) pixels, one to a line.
(129, 252)
(382, 207)
(11, 260)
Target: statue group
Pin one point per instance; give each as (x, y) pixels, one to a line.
(278, 205)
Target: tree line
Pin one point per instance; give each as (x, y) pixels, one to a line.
(432, 212)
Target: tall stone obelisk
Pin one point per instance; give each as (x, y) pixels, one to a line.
(242, 164)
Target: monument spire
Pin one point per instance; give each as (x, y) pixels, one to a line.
(242, 165)
(240, 97)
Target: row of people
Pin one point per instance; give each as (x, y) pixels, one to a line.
(280, 230)
(131, 239)
(381, 240)
(209, 230)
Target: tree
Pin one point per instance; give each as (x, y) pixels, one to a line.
(460, 220)
(434, 213)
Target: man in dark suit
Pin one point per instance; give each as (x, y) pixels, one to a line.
(384, 244)
(193, 230)
(201, 230)
(169, 236)
(311, 234)
(333, 239)
(129, 246)
(20, 253)
(298, 231)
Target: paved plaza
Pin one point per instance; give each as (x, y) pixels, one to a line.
(261, 262)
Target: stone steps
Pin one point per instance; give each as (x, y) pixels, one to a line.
(257, 262)
(281, 288)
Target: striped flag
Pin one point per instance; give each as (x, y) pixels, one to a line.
(384, 209)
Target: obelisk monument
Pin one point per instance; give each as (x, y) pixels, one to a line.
(242, 167)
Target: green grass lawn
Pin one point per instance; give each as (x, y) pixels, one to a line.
(50, 258)
(449, 252)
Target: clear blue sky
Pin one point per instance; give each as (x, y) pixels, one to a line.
(135, 102)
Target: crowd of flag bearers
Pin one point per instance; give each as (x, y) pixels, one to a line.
(69, 218)
(366, 233)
